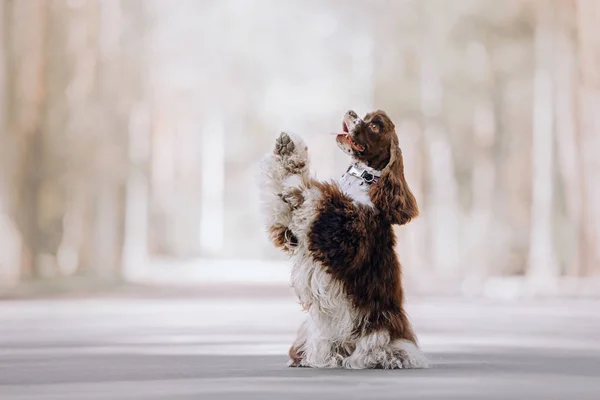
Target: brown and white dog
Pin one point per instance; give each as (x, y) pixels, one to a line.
(339, 235)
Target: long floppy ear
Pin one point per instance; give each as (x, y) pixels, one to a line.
(391, 194)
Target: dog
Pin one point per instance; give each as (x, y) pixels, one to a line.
(340, 238)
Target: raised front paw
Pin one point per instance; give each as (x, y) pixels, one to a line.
(292, 153)
(284, 145)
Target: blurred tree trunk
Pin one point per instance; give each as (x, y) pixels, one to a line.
(588, 22)
(99, 251)
(82, 127)
(3, 83)
(135, 231)
(213, 186)
(93, 236)
(543, 265)
(117, 50)
(484, 184)
(444, 233)
(568, 136)
(26, 30)
(9, 237)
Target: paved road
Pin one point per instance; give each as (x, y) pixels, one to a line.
(234, 348)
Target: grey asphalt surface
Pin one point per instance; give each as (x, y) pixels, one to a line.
(215, 347)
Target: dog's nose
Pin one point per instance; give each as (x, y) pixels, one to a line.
(352, 114)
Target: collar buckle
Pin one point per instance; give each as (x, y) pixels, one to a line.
(362, 173)
(367, 177)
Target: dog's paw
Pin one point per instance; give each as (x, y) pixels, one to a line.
(284, 145)
(409, 355)
(296, 364)
(293, 197)
(291, 151)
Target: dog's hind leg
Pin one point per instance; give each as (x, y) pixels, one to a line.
(283, 171)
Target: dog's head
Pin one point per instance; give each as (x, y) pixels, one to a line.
(372, 140)
(369, 140)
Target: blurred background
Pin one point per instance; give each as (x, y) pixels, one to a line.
(130, 132)
(133, 260)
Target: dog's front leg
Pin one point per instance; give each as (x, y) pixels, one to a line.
(283, 173)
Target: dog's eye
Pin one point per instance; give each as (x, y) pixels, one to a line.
(374, 127)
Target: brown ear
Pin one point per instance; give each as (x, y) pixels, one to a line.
(391, 194)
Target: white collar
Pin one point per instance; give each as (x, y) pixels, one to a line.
(367, 174)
